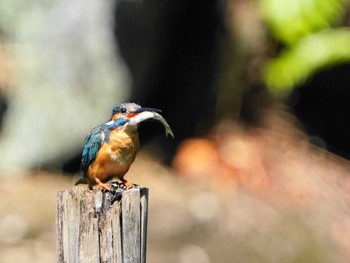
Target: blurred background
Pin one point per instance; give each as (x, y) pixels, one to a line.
(256, 92)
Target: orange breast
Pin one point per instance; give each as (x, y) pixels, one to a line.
(115, 157)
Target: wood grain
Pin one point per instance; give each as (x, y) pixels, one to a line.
(99, 226)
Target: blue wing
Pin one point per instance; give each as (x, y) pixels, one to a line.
(93, 142)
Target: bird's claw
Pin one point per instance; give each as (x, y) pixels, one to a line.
(123, 185)
(105, 186)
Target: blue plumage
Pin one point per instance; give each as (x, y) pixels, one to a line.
(95, 139)
(105, 156)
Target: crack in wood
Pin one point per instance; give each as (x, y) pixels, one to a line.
(98, 226)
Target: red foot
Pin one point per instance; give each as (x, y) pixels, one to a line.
(127, 184)
(103, 185)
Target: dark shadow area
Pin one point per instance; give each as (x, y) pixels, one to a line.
(3, 109)
(173, 51)
(322, 106)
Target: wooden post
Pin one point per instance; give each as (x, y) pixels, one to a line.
(98, 226)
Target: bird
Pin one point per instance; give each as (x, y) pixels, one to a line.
(110, 148)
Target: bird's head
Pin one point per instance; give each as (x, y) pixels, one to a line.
(130, 115)
(129, 110)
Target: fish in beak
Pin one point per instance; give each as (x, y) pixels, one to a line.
(142, 114)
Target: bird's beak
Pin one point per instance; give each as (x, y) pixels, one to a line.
(139, 110)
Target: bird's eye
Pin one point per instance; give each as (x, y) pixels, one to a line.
(123, 110)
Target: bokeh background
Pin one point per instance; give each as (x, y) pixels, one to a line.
(256, 91)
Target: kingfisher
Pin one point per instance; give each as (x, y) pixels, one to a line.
(111, 148)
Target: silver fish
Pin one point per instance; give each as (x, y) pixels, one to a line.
(145, 115)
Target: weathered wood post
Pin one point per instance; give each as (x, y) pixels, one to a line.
(101, 226)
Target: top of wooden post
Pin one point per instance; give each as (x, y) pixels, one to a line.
(102, 226)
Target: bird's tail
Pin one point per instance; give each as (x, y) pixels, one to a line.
(81, 180)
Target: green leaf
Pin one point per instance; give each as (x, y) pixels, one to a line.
(312, 53)
(291, 20)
